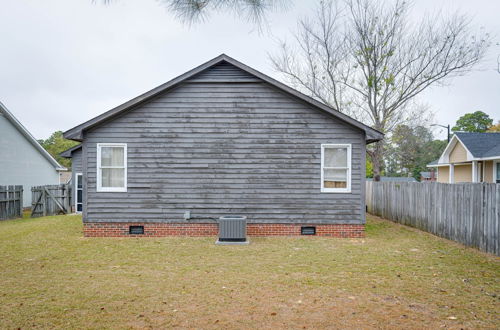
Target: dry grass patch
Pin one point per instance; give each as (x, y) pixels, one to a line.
(397, 277)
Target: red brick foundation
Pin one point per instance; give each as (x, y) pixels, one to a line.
(121, 229)
(287, 229)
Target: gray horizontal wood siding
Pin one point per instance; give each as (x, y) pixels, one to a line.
(225, 143)
(76, 163)
(76, 167)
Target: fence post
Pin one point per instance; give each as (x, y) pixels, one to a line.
(7, 204)
(44, 203)
(67, 194)
(21, 201)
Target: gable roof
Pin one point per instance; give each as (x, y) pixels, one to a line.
(21, 129)
(481, 145)
(478, 146)
(445, 155)
(75, 133)
(68, 152)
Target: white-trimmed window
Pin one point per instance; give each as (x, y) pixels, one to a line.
(112, 167)
(78, 192)
(496, 171)
(336, 168)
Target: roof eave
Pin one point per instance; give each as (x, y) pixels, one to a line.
(68, 153)
(486, 158)
(76, 133)
(370, 132)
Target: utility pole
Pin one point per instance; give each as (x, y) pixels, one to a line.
(447, 127)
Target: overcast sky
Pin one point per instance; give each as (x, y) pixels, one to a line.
(64, 62)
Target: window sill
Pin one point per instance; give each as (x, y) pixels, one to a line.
(336, 191)
(111, 189)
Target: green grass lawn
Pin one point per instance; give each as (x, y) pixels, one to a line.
(397, 277)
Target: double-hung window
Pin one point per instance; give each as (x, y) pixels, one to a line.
(336, 168)
(111, 167)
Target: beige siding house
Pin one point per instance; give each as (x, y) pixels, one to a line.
(470, 157)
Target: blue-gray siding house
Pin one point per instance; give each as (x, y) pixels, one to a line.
(223, 139)
(23, 161)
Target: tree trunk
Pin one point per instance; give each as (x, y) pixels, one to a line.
(377, 155)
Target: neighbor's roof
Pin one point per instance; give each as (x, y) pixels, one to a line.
(75, 133)
(481, 145)
(433, 163)
(394, 179)
(425, 174)
(67, 153)
(21, 129)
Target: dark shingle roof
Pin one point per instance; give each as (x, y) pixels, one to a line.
(434, 162)
(425, 174)
(394, 179)
(481, 144)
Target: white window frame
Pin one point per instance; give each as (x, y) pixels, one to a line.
(100, 188)
(495, 162)
(347, 189)
(76, 192)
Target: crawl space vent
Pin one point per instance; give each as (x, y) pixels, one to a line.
(308, 230)
(136, 230)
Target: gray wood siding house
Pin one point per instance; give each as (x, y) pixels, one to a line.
(222, 139)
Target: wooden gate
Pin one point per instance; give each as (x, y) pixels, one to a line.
(50, 200)
(11, 202)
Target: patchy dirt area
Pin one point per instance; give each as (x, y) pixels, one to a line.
(396, 277)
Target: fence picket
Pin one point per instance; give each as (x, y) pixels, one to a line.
(11, 202)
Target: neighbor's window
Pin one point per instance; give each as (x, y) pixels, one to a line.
(335, 167)
(111, 167)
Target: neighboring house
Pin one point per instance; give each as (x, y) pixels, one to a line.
(75, 153)
(23, 161)
(394, 179)
(470, 157)
(428, 176)
(223, 139)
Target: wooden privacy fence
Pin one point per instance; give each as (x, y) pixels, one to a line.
(50, 200)
(11, 202)
(464, 212)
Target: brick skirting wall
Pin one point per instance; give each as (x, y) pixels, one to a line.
(121, 229)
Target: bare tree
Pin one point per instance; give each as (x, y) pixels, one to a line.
(368, 59)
